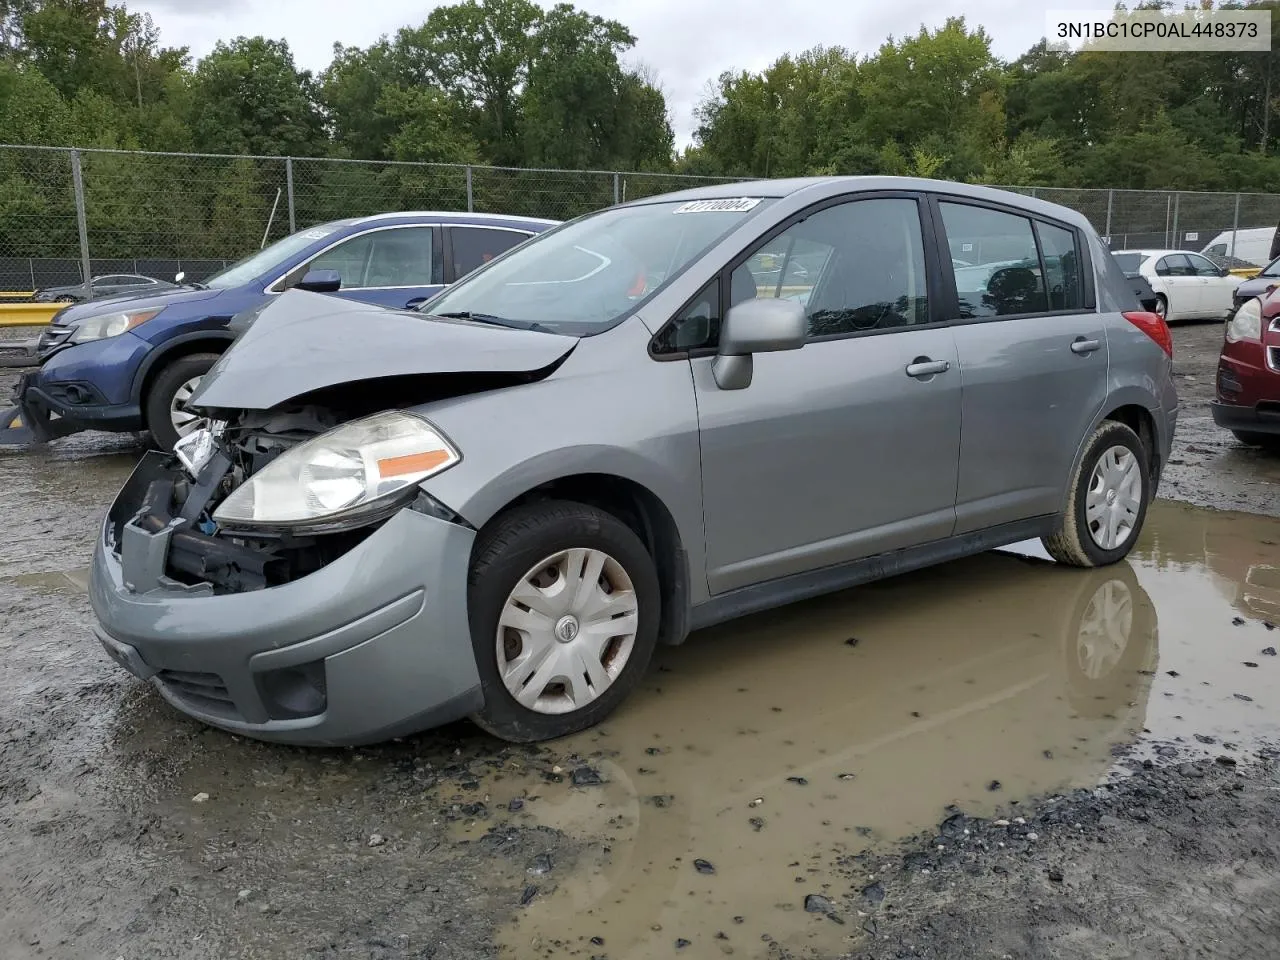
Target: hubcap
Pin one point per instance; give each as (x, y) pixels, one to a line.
(1114, 498)
(567, 631)
(184, 421)
(1104, 629)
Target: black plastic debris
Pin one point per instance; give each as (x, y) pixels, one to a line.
(1269, 652)
(1173, 673)
(1243, 696)
(703, 866)
(586, 777)
(1237, 621)
(529, 893)
(516, 805)
(799, 781)
(994, 785)
(851, 642)
(541, 864)
(681, 943)
(1248, 663)
(757, 823)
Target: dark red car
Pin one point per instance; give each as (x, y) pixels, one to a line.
(1248, 401)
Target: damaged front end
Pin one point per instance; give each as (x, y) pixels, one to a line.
(171, 524)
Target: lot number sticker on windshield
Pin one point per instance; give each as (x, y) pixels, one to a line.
(736, 205)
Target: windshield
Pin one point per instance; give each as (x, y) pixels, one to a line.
(1129, 262)
(267, 259)
(584, 277)
(1272, 269)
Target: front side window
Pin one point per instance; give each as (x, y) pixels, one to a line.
(475, 246)
(398, 257)
(696, 327)
(589, 274)
(1005, 277)
(270, 260)
(1203, 266)
(856, 267)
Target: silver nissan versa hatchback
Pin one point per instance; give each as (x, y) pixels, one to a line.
(650, 419)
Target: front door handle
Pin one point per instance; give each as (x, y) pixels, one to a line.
(1081, 345)
(924, 367)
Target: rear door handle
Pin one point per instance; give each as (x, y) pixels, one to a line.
(924, 367)
(1081, 345)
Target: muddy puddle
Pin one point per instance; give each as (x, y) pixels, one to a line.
(762, 754)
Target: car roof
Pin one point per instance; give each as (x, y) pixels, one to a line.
(819, 188)
(1156, 253)
(452, 216)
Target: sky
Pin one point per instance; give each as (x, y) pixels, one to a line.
(687, 42)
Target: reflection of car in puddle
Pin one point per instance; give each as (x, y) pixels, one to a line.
(1238, 550)
(992, 669)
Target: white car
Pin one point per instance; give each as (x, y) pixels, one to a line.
(1187, 285)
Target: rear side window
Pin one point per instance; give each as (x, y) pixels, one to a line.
(475, 246)
(1004, 279)
(1062, 267)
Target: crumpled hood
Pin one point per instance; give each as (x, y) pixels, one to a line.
(1255, 287)
(69, 316)
(302, 342)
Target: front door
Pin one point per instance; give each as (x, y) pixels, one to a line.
(1033, 361)
(1217, 291)
(848, 446)
(1184, 290)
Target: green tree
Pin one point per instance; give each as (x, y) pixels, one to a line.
(248, 97)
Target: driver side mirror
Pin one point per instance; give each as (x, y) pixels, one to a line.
(320, 281)
(756, 326)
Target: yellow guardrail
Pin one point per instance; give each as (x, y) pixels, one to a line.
(16, 294)
(1246, 272)
(28, 314)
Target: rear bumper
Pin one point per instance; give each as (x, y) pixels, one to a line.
(375, 645)
(1249, 419)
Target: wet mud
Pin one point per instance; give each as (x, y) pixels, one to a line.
(753, 796)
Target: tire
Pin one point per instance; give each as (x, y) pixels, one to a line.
(1162, 306)
(1267, 441)
(160, 396)
(510, 552)
(1074, 543)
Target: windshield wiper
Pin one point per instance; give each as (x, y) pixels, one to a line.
(492, 320)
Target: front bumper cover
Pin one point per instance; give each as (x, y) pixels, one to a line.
(384, 626)
(1247, 419)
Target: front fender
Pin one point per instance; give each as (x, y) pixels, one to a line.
(218, 339)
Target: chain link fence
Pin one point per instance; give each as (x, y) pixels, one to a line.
(66, 213)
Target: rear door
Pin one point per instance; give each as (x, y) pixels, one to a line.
(467, 247)
(1033, 359)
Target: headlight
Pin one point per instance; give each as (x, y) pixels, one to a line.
(1246, 323)
(110, 325)
(356, 469)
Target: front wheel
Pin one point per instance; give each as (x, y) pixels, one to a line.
(564, 607)
(167, 415)
(1107, 502)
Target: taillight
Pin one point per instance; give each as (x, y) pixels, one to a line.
(1153, 325)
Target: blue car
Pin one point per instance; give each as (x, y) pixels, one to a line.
(130, 363)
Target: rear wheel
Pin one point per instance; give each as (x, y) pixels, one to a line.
(167, 415)
(1267, 441)
(564, 604)
(1107, 503)
(1162, 306)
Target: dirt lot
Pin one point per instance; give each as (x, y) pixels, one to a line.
(995, 758)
